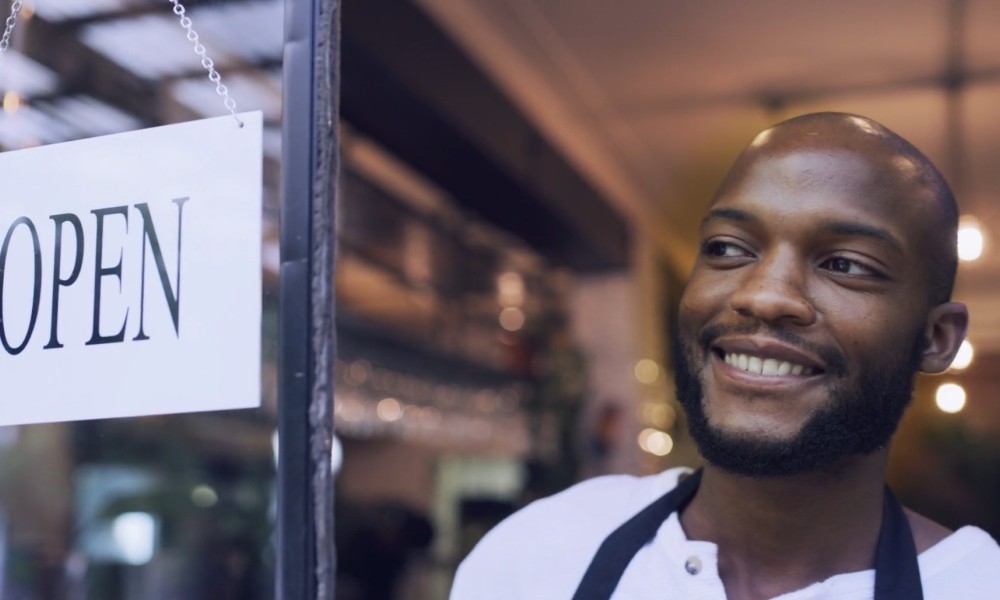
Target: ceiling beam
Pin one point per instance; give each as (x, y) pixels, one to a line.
(84, 71)
(408, 86)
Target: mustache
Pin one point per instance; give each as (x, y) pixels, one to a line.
(834, 361)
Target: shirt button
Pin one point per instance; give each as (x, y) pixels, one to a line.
(693, 565)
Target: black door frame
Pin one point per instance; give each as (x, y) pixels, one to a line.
(310, 152)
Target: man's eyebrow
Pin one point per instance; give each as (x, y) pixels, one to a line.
(731, 214)
(862, 229)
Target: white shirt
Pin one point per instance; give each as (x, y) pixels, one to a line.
(542, 552)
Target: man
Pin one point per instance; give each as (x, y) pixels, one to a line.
(822, 286)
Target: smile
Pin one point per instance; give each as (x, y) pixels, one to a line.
(769, 367)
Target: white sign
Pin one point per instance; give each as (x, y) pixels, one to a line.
(130, 273)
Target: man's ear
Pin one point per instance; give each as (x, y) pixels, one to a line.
(946, 326)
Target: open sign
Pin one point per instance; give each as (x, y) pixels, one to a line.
(130, 273)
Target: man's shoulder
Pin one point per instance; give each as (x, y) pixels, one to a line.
(967, 561)
(551, 541)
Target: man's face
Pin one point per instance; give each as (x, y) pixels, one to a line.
(802, 326)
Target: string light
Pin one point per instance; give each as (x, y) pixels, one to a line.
(376, 401)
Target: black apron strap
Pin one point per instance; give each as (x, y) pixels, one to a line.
(617, 550)
(897, 573)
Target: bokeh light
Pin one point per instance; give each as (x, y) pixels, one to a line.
(963, 358)
(647, 371)
(950, 397)
(656, 442)
(389, 410)
(970, 240)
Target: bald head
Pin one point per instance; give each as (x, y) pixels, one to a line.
(890, 168)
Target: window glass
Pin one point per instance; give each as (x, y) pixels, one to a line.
(161, 507)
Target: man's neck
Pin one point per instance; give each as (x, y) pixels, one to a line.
(776, 535)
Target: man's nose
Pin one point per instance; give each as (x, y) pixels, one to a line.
(775, 290)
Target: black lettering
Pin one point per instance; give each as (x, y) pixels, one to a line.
(57, 282)
(100, 271)
(173, 298)
(36, 294)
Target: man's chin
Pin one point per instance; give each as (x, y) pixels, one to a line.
(758, 455)
(767, 449)
(774, 469)
(755, 430)
(820, 445)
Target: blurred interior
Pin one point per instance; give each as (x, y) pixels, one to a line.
(520, 192)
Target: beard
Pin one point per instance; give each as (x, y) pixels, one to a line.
(861, 416)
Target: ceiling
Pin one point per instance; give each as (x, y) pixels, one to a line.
(90, 67)
(83, 68)
(652, 100)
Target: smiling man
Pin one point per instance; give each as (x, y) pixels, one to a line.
(822, 287)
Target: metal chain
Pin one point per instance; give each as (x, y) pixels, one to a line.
(15, 8)
(206, 62)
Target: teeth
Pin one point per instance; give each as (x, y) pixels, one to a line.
(770, 367)
(766, 366)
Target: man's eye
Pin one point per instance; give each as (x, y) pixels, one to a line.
(839, 264)
(717, 249)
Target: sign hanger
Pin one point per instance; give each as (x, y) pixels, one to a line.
(15, 8)
(206, 62)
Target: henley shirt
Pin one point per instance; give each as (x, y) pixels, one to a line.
(542, 551)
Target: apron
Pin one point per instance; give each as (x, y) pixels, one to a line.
(897, 574)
